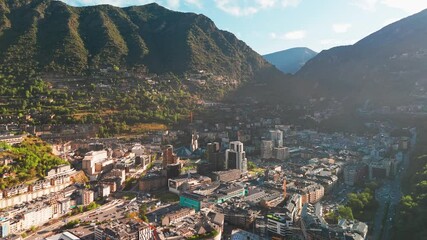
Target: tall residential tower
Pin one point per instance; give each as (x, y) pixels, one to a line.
(235, 157)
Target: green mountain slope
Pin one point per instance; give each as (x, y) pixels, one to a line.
(51, 36)
(119, 67)
(392, 60)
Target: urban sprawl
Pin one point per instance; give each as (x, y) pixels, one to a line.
(257, 179)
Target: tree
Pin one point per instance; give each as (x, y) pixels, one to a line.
(345, 213)
(143, 212)
(355, 204)
(251, 165)
(91, 206)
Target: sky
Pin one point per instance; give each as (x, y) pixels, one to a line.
(273, 25)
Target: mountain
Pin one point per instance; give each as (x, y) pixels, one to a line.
(94, 65)
(388, 66)
(51, 36)
(290, 60)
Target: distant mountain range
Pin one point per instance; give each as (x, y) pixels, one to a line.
(290, 60)
(388, 66)
(51, 36)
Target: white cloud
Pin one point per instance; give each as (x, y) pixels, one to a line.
(266, 3)
(293, 35)
(273, 35)
(196, 3)
(247, 7)
(367, 5)
(291, 3)
(232, 8)
(173, 4)
(341, 27)
(409, 6)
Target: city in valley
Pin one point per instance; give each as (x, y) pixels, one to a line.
(246, 179)
(213, 120)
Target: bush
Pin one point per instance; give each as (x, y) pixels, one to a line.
(72, 224)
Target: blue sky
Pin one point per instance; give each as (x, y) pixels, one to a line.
(273, 25)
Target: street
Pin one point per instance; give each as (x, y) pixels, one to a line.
(391, 193)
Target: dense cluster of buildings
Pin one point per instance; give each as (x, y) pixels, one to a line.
(273, 146)
(297, 177)
(282, 196)
(123, 229)
(186, 223)
(314, 226)
(32, 205)
(56, 180)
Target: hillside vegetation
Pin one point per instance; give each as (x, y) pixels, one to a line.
(117, 67)
(31, 159)
(392, 60)
(412, 212)
(51, 36)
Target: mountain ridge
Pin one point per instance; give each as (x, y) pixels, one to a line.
(392, 59)
(51, 36)
(290, 60)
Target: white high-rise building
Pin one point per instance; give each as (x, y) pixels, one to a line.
(266, 149)
(277, 137)
(138, 149)
(235, 157)
(91, 158)
(194, 142)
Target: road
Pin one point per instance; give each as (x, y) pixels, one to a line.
(45, 231)
(391, 193)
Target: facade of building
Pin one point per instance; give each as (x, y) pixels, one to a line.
(12, 139)
(187, 184)
(227, 176)
(354, 174)
(177, 216)
(91, 159)
(152, 182)
(277, 137)
(235, 157)
(223, 194)
(138, 150)
(169, 157)
(87, 197)
(117, 231)
(279, 224)
(266, 149)
(281, 153)
(194, 142)
(192, 200)
(310, 194)
(37, 216)
(4, 227)
(380, 169)
(215, 156)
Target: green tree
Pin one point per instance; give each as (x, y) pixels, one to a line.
(345, 212)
